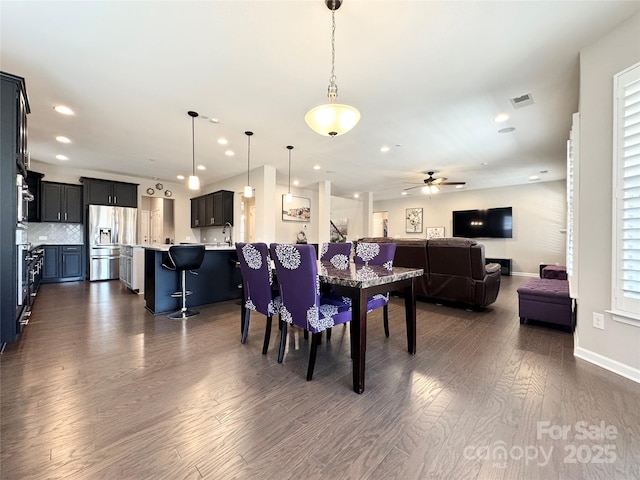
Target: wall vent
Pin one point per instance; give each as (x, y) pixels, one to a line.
(522, 100)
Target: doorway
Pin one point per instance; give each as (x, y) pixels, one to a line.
(156, 222)
(380, 224)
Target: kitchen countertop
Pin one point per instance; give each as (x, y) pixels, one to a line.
(165, 247)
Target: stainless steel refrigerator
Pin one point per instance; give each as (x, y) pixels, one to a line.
(109, 228)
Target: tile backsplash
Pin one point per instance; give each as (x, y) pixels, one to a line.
(55, 233)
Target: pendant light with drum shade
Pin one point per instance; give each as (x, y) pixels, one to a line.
(289, 197)
(248, 191)
(332, 119)
(194, 181)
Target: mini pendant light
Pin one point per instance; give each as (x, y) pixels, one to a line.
(289, 197)
(248, 191)
(194, 181)
(332, 119)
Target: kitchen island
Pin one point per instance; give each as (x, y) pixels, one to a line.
(218, 279)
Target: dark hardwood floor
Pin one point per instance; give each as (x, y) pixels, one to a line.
(97, 388)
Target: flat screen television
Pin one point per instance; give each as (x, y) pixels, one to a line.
(489, 223)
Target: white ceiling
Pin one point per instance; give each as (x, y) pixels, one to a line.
(427, 76)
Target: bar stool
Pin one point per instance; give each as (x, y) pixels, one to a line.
(182, 258)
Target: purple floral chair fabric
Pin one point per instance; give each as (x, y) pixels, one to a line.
(302, 304)
(257, 282)
(377, 254)
(337, 254)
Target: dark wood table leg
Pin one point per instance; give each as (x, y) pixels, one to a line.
(358, 329)
(410, 315)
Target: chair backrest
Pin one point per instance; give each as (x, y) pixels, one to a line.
(255, 267)
(337, 254)
(375, 254)
(297, 273)
(186, 257)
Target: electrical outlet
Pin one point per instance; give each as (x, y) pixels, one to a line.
(598, 320)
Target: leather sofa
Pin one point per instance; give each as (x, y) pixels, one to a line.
(454, 268)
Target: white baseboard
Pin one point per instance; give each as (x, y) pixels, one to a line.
(524, 274)
(608, 364)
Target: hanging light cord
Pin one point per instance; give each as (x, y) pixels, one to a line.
(248, 155)
(290, 147)
(193, 146)
(333, 88)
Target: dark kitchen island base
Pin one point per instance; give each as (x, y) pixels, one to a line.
(218, 280)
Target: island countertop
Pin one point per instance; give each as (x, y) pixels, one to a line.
(162, 247)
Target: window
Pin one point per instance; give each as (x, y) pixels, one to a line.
(573, 213)
(626, 175)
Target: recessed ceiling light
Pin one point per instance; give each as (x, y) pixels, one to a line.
(506, 130)
(356, 195)
(296, 183)
(201, 167)
(223, 141)
(62, 139)
(404, 193)
(503, 117)
(229, 153)
(63, 110)
(214, 120)
(180, 177)
(533, 178)
(62, 157)
(384, 148)
(317, 167)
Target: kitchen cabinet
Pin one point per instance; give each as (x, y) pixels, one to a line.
(107, 192)
(132, 267)
(34, 182)
(212, 210)
(62, 263)
(14, 159)
(61, 202)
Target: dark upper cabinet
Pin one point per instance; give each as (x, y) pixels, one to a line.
(212, 210)
(61, 202)
(34, 182)
(223, 207)
(106, 192)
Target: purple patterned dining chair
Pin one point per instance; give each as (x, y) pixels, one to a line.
(302, 304)
(377, 254)
(337, 254)
(257, 285)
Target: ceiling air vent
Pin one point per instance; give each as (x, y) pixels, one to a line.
(522, 100)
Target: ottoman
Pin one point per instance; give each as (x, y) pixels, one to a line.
(546, 300)
(558, 272)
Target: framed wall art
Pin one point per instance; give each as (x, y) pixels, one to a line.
(298, 210)
(435, 232)
(413, 220)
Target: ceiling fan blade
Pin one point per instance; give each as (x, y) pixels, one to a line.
(438, 181)
(453, 183)
(411, 188)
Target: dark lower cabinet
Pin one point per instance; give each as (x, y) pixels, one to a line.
(63, 263)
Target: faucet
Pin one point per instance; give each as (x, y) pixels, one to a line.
(228, 239)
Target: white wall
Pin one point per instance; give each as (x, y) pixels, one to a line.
(65, 173)
(539, 220)
(617, 347)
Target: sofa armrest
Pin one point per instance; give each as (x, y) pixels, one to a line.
(492, 267)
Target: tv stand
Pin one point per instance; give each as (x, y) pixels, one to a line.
(505, 264)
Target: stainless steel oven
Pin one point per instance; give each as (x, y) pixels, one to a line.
(24, 197)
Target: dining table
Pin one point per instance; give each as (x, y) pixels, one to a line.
(360, 282)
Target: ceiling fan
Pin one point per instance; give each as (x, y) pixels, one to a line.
(432, 185)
